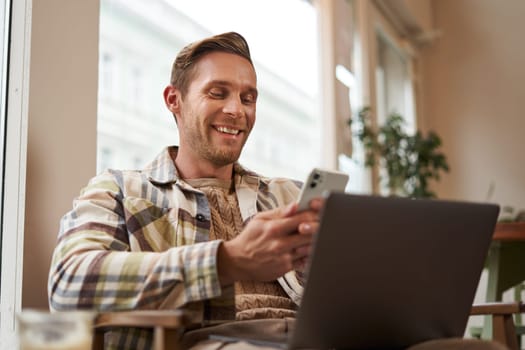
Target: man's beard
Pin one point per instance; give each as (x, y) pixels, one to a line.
(222, 158)
(219, 156)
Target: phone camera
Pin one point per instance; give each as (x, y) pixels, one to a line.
(315, 179)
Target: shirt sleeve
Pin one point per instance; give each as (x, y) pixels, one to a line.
(93, 266)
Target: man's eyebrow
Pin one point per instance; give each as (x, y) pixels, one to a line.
(218, 82)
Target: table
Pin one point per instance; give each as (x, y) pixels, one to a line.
(505, 264)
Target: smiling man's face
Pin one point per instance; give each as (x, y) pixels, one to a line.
(217, 113)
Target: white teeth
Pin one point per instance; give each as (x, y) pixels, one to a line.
(227, 130)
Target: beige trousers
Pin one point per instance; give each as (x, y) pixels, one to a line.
(277, 329)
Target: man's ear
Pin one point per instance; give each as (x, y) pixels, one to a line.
(172, 99)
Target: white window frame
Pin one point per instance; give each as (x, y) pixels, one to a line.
(15, 170)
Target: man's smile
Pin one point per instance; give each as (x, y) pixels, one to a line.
(227, 130)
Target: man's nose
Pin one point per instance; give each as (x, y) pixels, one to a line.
(233, 107)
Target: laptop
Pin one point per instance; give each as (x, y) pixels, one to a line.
(389, 272)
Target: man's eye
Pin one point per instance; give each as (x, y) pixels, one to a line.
(249, 98)
(216, 94)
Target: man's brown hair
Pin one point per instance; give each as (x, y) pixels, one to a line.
(182, 68)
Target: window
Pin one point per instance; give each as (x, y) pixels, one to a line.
(393, 88)
(14, 41)
(137, 127)
(383, 79)
(393, 82)
(4, 18)
(106, 75)
(136, 86)
(104, 158)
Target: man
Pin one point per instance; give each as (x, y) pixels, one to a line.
(193, 229)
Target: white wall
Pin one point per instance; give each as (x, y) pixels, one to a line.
(474, 97)
(62, 131)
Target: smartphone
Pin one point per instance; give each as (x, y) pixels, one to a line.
(319, 183)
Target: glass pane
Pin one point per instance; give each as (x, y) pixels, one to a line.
(138, 43)
(394, 84)
(394, 91)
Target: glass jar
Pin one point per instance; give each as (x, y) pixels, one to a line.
(42, 330)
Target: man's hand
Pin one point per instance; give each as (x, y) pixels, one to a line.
(273, 243)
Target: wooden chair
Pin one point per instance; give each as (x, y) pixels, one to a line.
(503, 328)
(167, 325)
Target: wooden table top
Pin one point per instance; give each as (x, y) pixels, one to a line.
(509, 231)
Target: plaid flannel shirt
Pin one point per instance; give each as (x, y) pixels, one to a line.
(140, 240)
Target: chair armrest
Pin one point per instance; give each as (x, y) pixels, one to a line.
(498, 308)
(144, 319)
(503, 328)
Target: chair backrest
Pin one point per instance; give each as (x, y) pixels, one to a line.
(167, 325)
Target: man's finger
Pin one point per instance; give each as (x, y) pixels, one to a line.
(281, 212)
(296, 241)
(308, 227)
(317, 203)
(302, 251)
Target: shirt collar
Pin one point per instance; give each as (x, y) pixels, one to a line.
(162, 169)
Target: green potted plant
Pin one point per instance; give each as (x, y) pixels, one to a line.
(410, 161)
